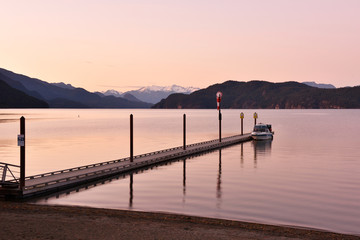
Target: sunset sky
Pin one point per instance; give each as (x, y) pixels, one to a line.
(126, 44)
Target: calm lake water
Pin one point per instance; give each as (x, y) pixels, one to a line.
(308, 176)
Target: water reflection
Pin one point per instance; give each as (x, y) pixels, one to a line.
(87, 186)
(218, 185)
(131, 191)
(78, 189)
(131, 184)
(8, 120)
(242, 155)
(290, 186)
(130, 174)
(184, 180)
(261, 148)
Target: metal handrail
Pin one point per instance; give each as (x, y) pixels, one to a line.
(5, 170)
(12, 165)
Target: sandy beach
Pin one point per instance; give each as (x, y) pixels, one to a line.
(29, 221)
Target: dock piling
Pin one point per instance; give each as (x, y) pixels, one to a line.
(131, 138)
(184, 131)
(220, 125)
(22, 153)
(242, 122)
(218, 100)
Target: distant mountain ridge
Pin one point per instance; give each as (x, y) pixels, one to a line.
(21, 91)
(262, 94)
(319, 85)
(62, 95)
(152, 94)
(13, 98)
(172, 88)
(112, 92)
(63, 85)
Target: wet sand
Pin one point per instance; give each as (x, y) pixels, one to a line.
(28, 221)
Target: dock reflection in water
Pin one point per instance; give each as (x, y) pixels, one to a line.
(49, 198)
(131, 190)
(218, 185)
(259, 148)
(99, 183)
(184, 180)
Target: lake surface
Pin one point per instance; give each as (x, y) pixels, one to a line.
(308, 176)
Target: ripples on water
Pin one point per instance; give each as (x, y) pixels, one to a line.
(307, 176)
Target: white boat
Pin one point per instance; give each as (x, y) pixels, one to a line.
(262, 132)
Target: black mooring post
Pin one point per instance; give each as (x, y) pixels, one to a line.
(219, 125)
(22, 154)
(242, 122)
(184, 131)
(242, 126)
(131, 138)
(255, 117)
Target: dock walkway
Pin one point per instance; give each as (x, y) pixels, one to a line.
(59, 180)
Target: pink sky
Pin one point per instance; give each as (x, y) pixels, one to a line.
(125, 44)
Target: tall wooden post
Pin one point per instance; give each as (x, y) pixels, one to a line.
(242, 126)
(255, 117)
(22, 153)
(220, 125)
(242, 123)
(184, 132)
(218, 100)
(131, 138)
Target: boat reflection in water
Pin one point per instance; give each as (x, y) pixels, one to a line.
(261, 148)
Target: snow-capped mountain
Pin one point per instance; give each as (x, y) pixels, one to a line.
(319, 85)
(112, 92)
(153, 94)
(174, 89)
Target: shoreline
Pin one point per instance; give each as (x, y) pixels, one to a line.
(30, 221)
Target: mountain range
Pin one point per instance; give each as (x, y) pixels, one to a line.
(13, 98)
(60, 95)
(151, 94)
(18, 91)
(267, 95)
(319, 85)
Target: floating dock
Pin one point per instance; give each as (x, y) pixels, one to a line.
(52, 182)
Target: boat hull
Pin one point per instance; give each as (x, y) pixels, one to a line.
(266, 136)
